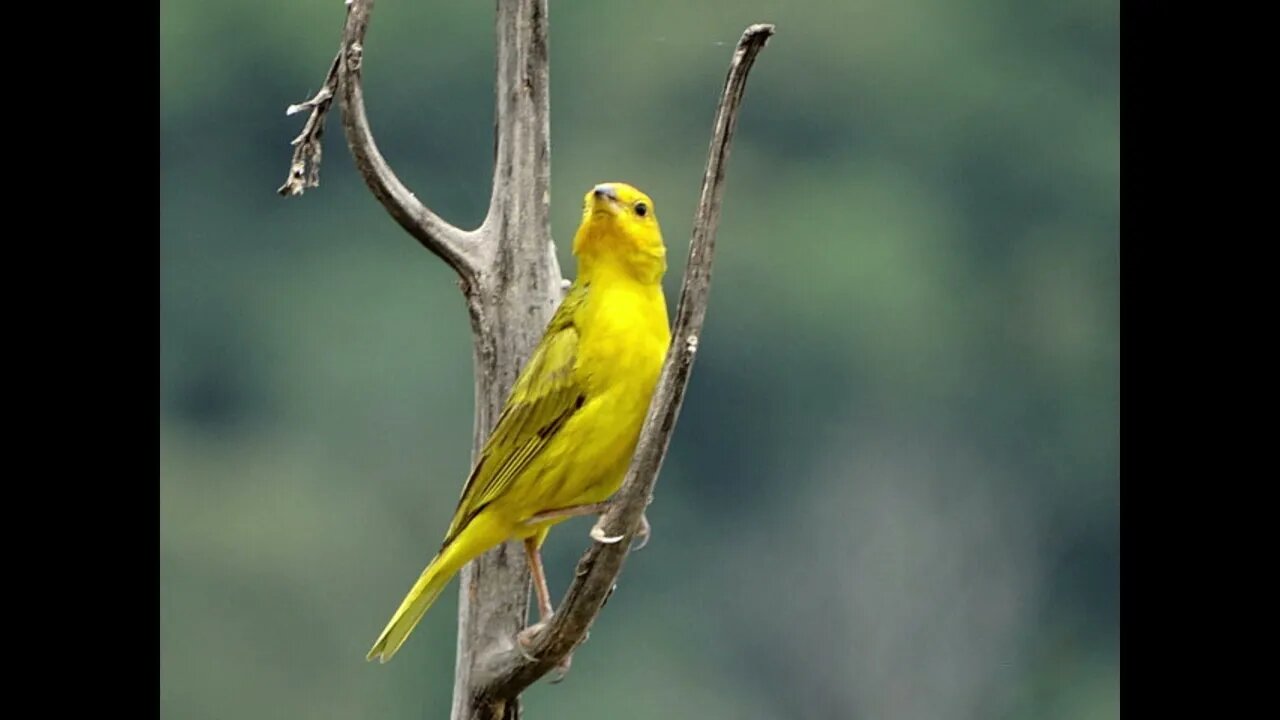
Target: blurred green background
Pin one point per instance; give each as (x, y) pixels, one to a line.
(893, 489)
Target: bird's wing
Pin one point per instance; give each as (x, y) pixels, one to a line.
(547, 393)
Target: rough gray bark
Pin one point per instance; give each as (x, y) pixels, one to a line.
(511, 301)
(512, 284)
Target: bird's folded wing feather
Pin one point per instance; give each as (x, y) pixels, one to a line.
(547, 393)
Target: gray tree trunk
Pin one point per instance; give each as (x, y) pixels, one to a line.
(510, 301)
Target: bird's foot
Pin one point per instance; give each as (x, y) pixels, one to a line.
(561, 670)
(597, 534)
(642, 534)
(566, 513)
(524, 641)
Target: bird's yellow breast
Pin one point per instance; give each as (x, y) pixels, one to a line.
(623, 337)
(623, 340)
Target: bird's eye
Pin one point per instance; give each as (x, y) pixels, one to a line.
(642, 209)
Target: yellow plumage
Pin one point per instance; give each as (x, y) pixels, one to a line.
(570, 425)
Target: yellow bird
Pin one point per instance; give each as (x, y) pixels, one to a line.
(569, 428)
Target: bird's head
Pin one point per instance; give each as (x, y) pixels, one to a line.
(620, 231)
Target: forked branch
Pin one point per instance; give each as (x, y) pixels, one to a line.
(508, 672)
(462, 250)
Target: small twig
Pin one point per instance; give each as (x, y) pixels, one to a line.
(463, 251)
(304, 171)
(509, 671)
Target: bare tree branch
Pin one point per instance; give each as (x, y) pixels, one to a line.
(510, 670)
(463, 251)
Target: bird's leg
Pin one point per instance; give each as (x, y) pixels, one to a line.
(539, 578)
(572, 511)
(597, 532)
(525, 637)
(544, 604)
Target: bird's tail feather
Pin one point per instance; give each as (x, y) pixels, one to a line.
(424, 592)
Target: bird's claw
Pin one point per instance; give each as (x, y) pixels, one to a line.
(524, 640)
(597, 534)
(642, 534)
(524, 644)
(562, 670)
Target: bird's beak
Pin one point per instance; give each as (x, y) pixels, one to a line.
(604, 197)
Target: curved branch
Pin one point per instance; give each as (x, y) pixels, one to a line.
(460, 249)
(510, 670)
